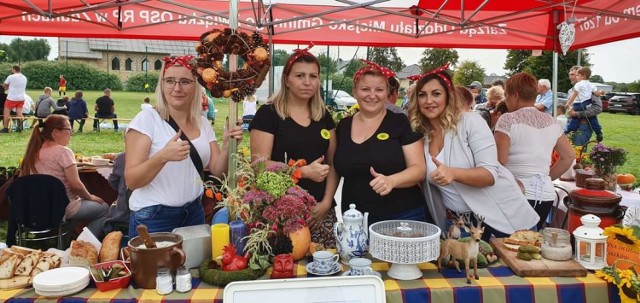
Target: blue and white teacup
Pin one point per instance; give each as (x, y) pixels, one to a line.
(324, 261)
(360, 267)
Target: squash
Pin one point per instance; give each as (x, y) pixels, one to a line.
(626, 179)
(301, 240)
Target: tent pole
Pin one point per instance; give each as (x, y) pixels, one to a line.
(555, 85)
(233, 106)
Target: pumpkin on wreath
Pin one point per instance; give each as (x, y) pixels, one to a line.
(211, 74)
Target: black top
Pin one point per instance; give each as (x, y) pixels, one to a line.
(296, 141)
(383, 152)
(105, 105)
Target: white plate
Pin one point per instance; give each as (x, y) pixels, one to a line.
(631, 216)
(373, 273)
(334, 270)
(62, 293)
(60, 279)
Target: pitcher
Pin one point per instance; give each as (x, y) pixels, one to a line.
(352, 234)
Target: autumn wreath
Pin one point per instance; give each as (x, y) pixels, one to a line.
(212, 48)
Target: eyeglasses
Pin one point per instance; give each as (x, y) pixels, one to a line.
(66, 128)
(171, 82)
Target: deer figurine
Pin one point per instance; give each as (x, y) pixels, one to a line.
(464, 250)
(455, 228)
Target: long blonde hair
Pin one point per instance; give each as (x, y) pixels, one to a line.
(162, 106)
(41, 133)
(452, 111)
(280, 100)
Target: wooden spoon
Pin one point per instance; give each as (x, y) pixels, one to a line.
(143, 232)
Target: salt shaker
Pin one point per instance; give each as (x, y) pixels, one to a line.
(164, 281)
(183, 280)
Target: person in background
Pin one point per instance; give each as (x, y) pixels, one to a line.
(249, 109)
(463, 172)
(476, 90)
(583, 135)
(47, 153)
(105, 108)
(407, 97)
(526, 137)
(495, 94)
(16, 83)
(146, 104)
(295, 124)
(501, 108)
(580, 100)
(562, 116)
(498, 82)
(3, 96)
(62, 102)
(62, 86)
(394, 86)
(119, 210)
(544, 100)
(167, 186)
(78, 110)
(27, 111)
(466, 97)
(378, 154)
(45, 103)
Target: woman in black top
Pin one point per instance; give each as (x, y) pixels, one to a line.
(378, 154)
(295, 125)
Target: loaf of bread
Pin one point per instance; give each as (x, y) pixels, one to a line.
(15, 282)
(82, 253)
(8, 267)
(28, 263)
(110, 246)
(525, 237)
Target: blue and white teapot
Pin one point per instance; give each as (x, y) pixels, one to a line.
(352, 235)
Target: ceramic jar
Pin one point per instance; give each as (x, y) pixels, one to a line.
(352, 236)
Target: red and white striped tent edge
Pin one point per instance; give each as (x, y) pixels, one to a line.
(498, 24)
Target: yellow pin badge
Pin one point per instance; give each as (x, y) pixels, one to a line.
(325, 134)
(382, 136)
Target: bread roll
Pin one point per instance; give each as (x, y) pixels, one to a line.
(83, 253)
(8, 268)
(110, 246)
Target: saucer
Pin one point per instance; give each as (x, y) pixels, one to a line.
(373, 273)
(334, 270)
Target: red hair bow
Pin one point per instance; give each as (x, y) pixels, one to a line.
(297, 53)
(180, 60)
(372, 66)
(440, 72)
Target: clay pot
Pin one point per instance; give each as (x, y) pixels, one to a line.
(146, 261)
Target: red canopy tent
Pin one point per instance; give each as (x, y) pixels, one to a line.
(520, 24)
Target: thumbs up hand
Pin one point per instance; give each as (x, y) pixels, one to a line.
(176, 149)
(443, 175)
(316, 171)
(381, 184)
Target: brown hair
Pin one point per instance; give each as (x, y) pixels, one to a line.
(280, 100)
(585, 72)
(452, 112)
(523, 84)
(465, 95)
(501, 107)
(41, 133)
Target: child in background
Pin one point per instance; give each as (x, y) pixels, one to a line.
(580, 100)
(146, 104)
(562, 116)
(249, 109)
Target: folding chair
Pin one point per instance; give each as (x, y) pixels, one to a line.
(38, 204)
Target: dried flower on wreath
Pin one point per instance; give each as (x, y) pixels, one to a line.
(237, 85)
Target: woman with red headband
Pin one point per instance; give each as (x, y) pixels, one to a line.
(463, 173)
(378, 154)
(162, 151)
(295, 125)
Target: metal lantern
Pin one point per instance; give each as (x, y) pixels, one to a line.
(591, 244)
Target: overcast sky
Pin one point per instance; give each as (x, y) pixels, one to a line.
(616, 61)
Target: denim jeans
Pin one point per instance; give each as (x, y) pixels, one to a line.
(583, 135)
(161, 218)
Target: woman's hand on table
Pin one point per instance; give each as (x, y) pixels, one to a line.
(318, 214)
(381, 184)
(443, 175)
(316, 171)
(175, 149)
